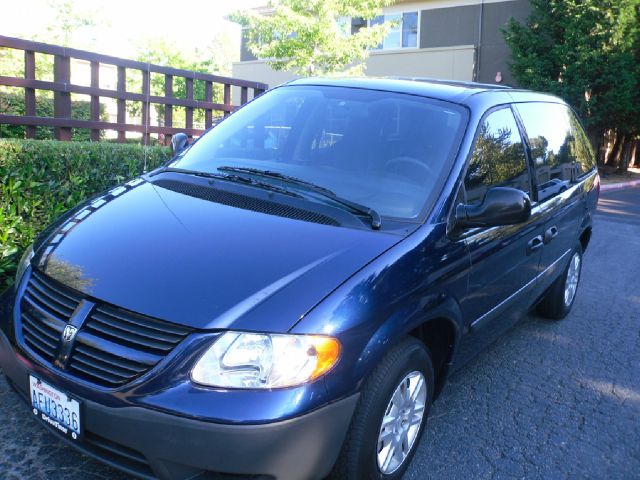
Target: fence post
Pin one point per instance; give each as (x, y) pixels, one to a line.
(189, 110)
(95, 100)
(122, 115)
(146, 120)
(30, 93)
(62, 100)
(168, 108)
(208, 97)
(244, 95)
(227, 97)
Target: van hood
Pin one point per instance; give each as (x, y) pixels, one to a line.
(203, 264)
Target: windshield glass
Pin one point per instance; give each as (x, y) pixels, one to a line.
(380, 149)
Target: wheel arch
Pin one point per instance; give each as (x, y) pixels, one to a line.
(585, 238)
(439, 335)
(438, 328)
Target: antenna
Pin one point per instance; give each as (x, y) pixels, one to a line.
(148, 115)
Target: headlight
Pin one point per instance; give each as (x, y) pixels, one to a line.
(24, 263)
(256, 360)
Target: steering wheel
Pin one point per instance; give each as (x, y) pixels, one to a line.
(409, 167)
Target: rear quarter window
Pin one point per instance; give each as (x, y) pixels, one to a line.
(560, 149)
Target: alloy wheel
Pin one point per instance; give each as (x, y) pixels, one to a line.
(571, 282)
(401, 422)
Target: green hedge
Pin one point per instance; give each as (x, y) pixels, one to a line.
(13, 104)
(40, 179)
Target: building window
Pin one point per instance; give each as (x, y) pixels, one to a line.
(357, 24)
(410, 29)
(402, 34)
(344, 26)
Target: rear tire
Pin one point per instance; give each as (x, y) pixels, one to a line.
(367, 452)
(558, 301)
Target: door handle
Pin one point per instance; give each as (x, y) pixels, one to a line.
(550, 234)
(535, 243)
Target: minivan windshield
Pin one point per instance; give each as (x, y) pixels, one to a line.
(378, 149)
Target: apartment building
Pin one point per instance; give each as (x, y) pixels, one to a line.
(447, 39)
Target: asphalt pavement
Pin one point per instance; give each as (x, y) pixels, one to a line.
(548, 400)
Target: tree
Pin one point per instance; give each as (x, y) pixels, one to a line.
(587, 52)
(214, 58)
(68, 26)
(313, 37)
(68, 22)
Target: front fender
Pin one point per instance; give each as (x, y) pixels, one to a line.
(404, 322)
(417, 280)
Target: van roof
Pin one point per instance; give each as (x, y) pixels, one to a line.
(449, 90)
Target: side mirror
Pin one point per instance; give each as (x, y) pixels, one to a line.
(500, 206)
(179, 142)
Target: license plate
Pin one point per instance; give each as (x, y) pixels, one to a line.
(55, 408)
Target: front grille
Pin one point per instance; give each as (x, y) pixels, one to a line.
(46, 308)
(137, 331)
(113, 346)
(48, 294)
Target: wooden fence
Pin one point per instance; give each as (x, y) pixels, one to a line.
(62, 89)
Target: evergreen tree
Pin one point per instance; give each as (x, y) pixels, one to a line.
(588, 53)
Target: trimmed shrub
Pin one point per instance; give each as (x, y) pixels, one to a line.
(40, 179)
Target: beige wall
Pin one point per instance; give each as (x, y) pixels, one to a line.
(450, 63)
(257, 71)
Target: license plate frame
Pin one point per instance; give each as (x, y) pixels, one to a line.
(56, 408)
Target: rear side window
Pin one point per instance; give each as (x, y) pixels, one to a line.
(498, 158)
(560, 150)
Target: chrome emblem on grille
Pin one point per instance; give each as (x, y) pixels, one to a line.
(69, 333)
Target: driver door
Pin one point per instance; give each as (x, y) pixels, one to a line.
(504, 259)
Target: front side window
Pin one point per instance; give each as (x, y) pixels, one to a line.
(498, 158)
(381, 149)
(559, 147)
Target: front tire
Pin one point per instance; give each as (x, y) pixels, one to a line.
(390, 416)
(558, 301)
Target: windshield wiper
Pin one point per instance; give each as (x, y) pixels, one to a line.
(278, 176)
(230, 178)
(376, 220)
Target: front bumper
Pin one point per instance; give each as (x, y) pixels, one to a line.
(149, 443)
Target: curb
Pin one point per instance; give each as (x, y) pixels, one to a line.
(619, 186)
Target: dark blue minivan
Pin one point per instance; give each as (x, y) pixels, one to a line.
(286, 297)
